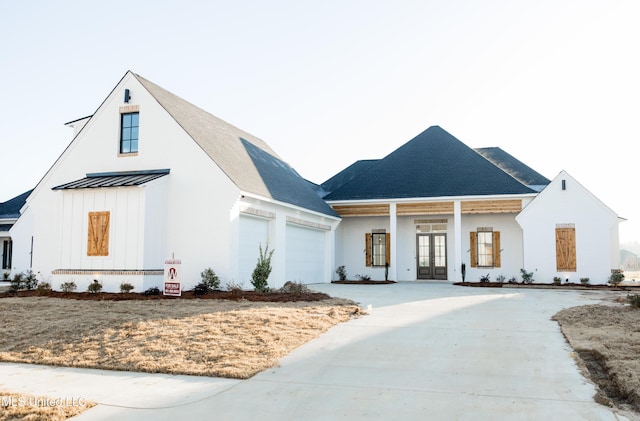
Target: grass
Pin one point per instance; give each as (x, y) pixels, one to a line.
(16, 406)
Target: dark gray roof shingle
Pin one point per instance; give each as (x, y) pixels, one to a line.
(346, 175)
(11, 208)
(433, 164)
(517, 169)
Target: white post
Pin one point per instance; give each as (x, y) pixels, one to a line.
(457, 239)
(393, 228)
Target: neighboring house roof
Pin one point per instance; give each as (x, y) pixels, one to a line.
(11, 208)
(433, 164)
(521, 172)
(247, 160)
(346, 175)
(114, 179)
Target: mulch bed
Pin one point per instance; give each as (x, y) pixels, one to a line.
(279, 297)
(364, 282)
(537, 285)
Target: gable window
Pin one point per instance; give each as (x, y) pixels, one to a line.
(377, 248)
(129, 123)
(566, 248)
(485, 248)
(98, 234)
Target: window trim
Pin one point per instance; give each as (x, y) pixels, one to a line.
(369, 245)
(122, 139)
(475, 251)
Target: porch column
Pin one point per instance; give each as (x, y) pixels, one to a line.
(457, 239)
(393, 228)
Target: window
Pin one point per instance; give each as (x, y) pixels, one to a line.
(98, 234)
(566, 248)
(6, 254)
(485, 248)
(377, 248)
(129, 132)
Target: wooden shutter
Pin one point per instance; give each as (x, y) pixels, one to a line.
(98, 234)
(368, 248)
(496, 249)
(566, 249)
(387, 252)
(473, 241)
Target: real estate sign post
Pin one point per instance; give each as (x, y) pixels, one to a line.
(172, 268)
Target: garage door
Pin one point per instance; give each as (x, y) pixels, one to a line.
(253, 232)
(305, 254)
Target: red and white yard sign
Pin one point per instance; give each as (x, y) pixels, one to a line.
(172, 277)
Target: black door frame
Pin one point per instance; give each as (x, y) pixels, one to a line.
(433, 271)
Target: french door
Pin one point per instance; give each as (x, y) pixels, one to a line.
(431, 256)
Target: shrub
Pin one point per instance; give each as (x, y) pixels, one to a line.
(126, 287)
(94, 286)
(30, 281)
(17, 282)
(152, 291)
(210, 279)
(201, 289)
(584, 281)
(527, 277)
(513, 280)
(68, 286)
(500, 278)
(291, 287)
(634, 300)
(616, 277)
(485, 278)
(364, 277)
(342, 273)
(5, 276)
(557, 280)
(43, 288)
(260, 275)
(234, 286)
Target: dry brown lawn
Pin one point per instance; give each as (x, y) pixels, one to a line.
(607, 341)
(39, 408)
(207, 337)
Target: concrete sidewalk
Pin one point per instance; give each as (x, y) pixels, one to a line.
(425, 351)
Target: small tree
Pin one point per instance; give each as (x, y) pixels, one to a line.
(69, 286)
(260, 275)
(342, 273)
(210, 279)
(527, 277)
(94, 286)
(616, 277)
(126, 287)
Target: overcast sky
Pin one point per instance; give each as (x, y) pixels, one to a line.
(325, 83)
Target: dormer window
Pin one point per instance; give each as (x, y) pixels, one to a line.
(129, 132)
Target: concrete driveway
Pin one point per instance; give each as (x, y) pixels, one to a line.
(425, 351)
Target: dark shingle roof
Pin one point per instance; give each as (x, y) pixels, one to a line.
(11, 208)
(433, 164)
(346, 175)
(113, 179)
(517, 169)
(284, 183)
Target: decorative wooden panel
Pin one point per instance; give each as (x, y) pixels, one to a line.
(473, 249)
(367, 248)
(496, 249)
(362, 210)
(432, 208)
(98, 234)
(566, 249)
(491, 206)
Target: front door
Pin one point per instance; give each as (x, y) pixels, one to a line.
(431, 256)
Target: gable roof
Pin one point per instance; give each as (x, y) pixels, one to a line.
(248, 161)
(433, 164)
(347, 175)
(517, 169)
(11, 208)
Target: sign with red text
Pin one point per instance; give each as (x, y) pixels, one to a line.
(172, 269)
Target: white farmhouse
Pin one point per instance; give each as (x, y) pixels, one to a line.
(150, 176)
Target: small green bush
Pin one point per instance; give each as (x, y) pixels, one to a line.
(342, 273)
(616, 277)
(513, 280)
(584, 281)
(234, 286)
(557, 280)
(68, 286)
(260, 275)
(634, 300)
(43, 288)
(30, 281)
(500, 278)
(210, 279)
(485, 278)
(5, 276)
(152, 291)
(126, 287)
(94, 286)
(527, 277)
(17, 282)
(291, 287)
(364, 277)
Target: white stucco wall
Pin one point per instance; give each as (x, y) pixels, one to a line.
(596, 227)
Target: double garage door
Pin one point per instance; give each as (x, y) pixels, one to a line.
(304, 248)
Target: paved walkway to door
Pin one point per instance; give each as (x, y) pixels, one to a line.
(425, 351)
